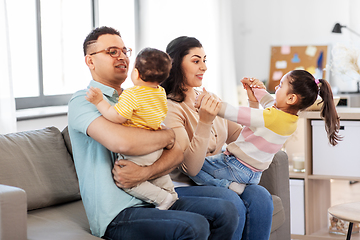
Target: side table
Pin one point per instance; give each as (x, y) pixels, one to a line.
(348, 212)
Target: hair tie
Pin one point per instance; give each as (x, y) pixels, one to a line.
(318, 83)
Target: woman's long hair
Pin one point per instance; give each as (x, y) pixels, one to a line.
(178, 48)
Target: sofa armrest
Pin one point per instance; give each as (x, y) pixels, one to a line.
(276, 180)
(13, 213)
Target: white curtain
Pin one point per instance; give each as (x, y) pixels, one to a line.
(7, 101)
(228, 87)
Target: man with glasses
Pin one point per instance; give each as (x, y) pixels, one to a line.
(112, 213)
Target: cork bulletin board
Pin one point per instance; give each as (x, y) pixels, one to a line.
(286, 58)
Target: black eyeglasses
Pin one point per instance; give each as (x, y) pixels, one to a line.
(115, 52)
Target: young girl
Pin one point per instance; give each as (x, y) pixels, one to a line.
(266, 130)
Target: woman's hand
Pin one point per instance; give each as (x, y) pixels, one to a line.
(208, 106)
(199, 98)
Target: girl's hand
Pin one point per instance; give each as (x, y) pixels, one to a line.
(253, 83)
(249, 84)
(256, 83)
(94, 95)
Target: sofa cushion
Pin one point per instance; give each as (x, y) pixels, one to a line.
(66, 136)
(60, 222)
(38, 162)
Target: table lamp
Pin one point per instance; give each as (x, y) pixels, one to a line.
(337, 29)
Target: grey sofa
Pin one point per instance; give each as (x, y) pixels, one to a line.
(39, 193)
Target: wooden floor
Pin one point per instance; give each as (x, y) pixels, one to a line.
(342, 191)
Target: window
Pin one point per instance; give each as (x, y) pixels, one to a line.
(46, 37)
(64, 26)
(47, 63)
(23, 48)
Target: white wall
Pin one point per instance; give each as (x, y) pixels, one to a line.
(260, 24)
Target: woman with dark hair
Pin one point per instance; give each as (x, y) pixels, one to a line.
(200, 133)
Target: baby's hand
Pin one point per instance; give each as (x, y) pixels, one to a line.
(94, 95)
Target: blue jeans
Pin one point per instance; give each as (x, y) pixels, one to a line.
(254, 208)
(190, 217)
(220, 170)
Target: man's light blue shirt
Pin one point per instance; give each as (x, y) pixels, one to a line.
(102, 199)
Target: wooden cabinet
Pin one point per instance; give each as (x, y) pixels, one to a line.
(317, 187)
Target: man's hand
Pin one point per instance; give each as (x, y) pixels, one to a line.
(172, 133)
(94, 95)
(128, 174)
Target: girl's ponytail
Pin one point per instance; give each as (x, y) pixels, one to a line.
(328, 112)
